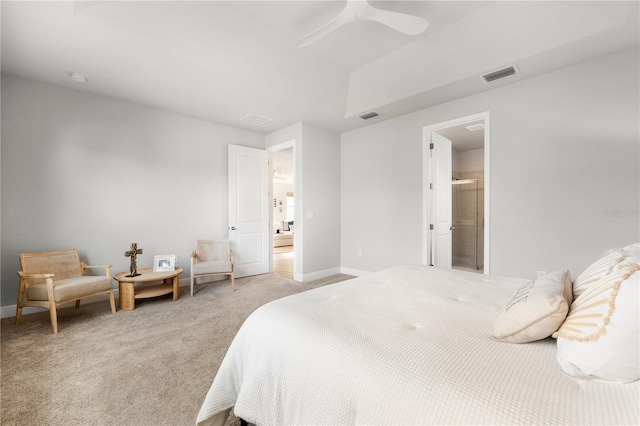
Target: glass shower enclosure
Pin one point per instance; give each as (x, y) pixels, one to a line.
(468, 225)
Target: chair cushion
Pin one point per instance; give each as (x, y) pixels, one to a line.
(212, 250)
(71, 288)
(211, 267)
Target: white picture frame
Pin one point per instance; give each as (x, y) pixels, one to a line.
(164, 262)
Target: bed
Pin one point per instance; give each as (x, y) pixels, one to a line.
(406, 345)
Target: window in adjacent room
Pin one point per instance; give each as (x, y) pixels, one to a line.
(290, 205)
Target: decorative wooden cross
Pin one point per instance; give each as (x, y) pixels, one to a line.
(133, 253)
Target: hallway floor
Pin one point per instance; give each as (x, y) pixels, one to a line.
(283, 261)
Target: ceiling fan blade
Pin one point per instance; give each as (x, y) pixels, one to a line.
(335, 23)
(407, 24)
(355, 10)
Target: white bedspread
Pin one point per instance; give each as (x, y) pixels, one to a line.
(407, 345)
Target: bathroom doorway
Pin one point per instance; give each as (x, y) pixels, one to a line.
(456, 213)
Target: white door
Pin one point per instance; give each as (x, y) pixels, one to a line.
(441, 175)
(249, 210)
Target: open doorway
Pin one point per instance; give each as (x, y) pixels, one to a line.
(456, 208)
(467, 195)
(283, 212)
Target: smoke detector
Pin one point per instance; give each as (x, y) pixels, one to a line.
(77, 77)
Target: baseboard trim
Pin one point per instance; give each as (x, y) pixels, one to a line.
(354, 272)
(10, 311)
(319, 274)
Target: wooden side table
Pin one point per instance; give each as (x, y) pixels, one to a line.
(128, 292)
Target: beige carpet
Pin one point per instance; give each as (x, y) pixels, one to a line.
(150, 366)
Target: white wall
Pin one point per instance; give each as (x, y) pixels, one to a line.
(381, 204)
(564, 151)
(469, 161)
(321, 191)
(282, 162)
(317, 191)
(280, 191)
(97, 174)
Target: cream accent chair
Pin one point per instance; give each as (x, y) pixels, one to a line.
(50, 279)
(212, 257)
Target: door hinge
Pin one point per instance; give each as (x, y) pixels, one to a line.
(431, 227)
(431, 145)
(431, 186)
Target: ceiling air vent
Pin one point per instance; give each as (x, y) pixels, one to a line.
(256, 119)
(501, 73)
(369, 115)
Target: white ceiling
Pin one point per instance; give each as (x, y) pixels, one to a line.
(223, 60)
(462, 139)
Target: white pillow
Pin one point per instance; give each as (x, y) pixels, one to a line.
(597, 270)
(536, 309)
(600, 339)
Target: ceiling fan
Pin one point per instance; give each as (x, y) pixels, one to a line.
(361, 10)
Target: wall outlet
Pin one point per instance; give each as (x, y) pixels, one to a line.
(359, 252)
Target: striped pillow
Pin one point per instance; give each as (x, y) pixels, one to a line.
(598, 269)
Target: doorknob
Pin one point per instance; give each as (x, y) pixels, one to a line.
(451, 228)
(233, 228)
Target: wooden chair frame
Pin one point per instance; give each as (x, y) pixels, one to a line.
(72, 267)
(194, 259)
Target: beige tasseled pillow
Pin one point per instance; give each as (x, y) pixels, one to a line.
(597, 270)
